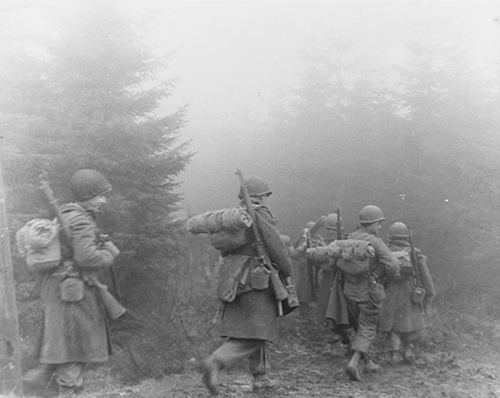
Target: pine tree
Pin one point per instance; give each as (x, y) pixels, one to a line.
(89, 97)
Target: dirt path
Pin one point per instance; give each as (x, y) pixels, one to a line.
(306, 364)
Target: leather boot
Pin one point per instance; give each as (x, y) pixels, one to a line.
(352, 368)
(210, 376)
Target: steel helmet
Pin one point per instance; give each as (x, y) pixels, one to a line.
(370, 214)
(399, 230)
(331, 221)
(256, 187)
(88, 183)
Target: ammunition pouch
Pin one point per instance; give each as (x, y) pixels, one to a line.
(233, 276)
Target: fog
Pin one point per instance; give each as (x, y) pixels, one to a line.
(234, 61)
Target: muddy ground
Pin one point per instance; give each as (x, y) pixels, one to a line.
(457, 357)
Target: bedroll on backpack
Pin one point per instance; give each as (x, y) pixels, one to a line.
(226, 228)
(355, 256)
(227, 241)
(231, 219)
(38, 242)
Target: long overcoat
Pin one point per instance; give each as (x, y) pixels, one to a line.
(301, 270)
(75, 331)
(399, 314)
(254, 314)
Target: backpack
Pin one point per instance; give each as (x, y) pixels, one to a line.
(226, 228)
(38, 242)
(227, 241)
(404, 259)
(355, 256)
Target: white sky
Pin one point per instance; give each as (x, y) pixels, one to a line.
(234, 57)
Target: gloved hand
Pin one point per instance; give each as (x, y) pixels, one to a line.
(110, 246)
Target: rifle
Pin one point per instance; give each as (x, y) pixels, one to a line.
(112, 273)
(113, 308)
(280, 292)
(339, 225)
(418, 292)
(46, 188)
(312, 272)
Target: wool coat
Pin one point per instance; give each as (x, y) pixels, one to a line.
(399, 314)
(75, 331)
(254, 313)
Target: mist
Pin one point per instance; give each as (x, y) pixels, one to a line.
(319, 99)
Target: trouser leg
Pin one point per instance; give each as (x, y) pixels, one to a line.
(234, 350)
(258, 360)
(367, 326)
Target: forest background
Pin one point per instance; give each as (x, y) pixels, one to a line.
(92, 91)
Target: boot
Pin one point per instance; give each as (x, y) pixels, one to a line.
(408, 354)
(352, 368)
(262, 382)
(210, 376)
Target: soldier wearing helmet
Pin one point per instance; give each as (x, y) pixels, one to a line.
(401, 319)
(306, 273)
(75, 331)
(330, 225)
(336, 312)
(327, 269)
(364, 292)
(249, 320)
(258, 189)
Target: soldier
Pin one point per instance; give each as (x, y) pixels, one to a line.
(74, 331)
(327, 269)
(401, 319)
(336, 311)
(250, 319)
(364, 292)
(306, 273)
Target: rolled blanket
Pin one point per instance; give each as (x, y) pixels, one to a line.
(229, 220)
(36, 234)
(346, 249)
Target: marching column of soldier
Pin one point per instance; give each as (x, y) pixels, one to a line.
(363, 286)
